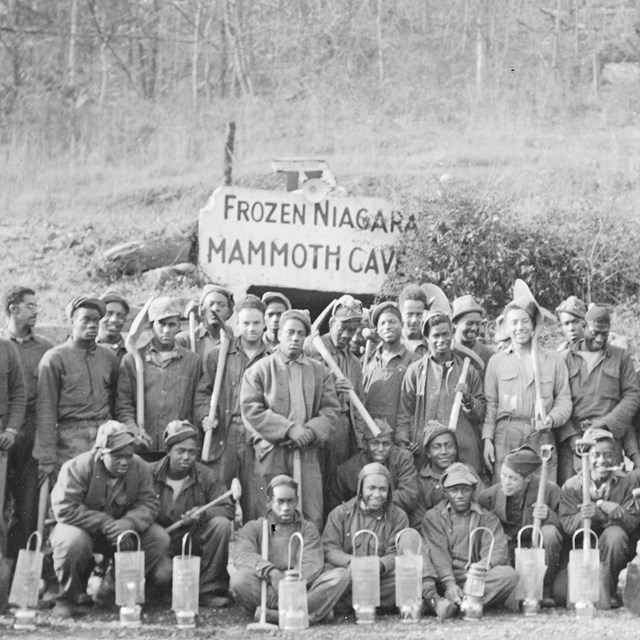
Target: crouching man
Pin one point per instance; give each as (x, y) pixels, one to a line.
(323, 589)
(182, 485)
(99, 495)
(446, 529)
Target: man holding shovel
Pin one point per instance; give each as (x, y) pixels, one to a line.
(290, 400)
(611, 509)
(182, 485)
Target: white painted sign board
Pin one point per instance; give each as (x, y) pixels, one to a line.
(250, 237)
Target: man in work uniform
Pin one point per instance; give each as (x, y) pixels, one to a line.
(276, 304)
(467, 316)
(99, 495)
(389, 362)
(514, 502)
(110, 330)
(76, 390)
(604, 391)
(171, 375)
(290, 400)
(182, 485)
(428, 393)
(571, 313)
(380, 449)
(612, 511)
(231, 454)
(213, 297)
(446, 529)
(21, 308)
(324, 588)
(413, 305)
(509, 386)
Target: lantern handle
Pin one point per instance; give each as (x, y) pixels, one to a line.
(582, 529)
(471, 536)
(368, 531)
(186, 538)
(38, 541)
(409, 530)
(126, 533)
(538, 537)
(297, 535)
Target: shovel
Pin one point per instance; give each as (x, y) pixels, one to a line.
(584, 564)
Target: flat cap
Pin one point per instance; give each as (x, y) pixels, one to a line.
(433, 429)
(114, 296)
(574, 306)
(593, 434)
(387, 305)
(458, 473)
(463, 305)
(280, 480)
(523, 460)
(347, 308)
(208, 289)
(178, 431)
(385, 429)
(275, 296)
(113, 436)
(87, 302)
(162, 308)
(297, 314)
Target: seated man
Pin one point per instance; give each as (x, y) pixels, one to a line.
(399, 462)
(611, 510)
(99, 495)
(323, 589)
(514, 502)
(183, 485)
(446, 529)
(441, 448)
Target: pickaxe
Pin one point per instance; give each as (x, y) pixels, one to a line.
(469, 355)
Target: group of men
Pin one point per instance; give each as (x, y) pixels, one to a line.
(449, 440)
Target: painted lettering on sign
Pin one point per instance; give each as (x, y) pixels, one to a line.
(251, 237)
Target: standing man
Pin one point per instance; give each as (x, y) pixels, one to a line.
(171, 375)
(388, 364)
(510, 389)
(76, 390)
(467, 316)
(604, 391)
(290, 400)
(213, 297)
(182, 485)
(21, 308)
(571, 314)
(428, 393)
(110, 330)
(276, 304)
(413, 305)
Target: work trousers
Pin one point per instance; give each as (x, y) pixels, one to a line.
(340, 447)
(74, 438)
(322, 594)
(73, 550)
(280, 461)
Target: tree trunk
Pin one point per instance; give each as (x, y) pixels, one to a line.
(73, 32)
(482, 49)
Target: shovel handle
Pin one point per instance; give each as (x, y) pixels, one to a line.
(43, 503)
(203, 508)
(457, 402)
(545, 454)
(192, 329)
(540, 411)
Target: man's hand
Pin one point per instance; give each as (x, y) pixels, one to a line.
(209, 423)
(262, 448)
(612, 510)
(544, 425)
(343, 385)
(275, 577)
(142, 440)
(300, 436)
(540, 512)
(405, 444)
(7, 440)
(189, 518)
(463, 388)
(588, 510)
(599, 423)
(117, 527)
(489, 454)
(453, 593)
(46, 471)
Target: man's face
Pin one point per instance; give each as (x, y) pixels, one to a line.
(218, 302)
(439, 338)
(412, 312)
(596, 335)
(442, 451)
(357, 342)
(512, 482)
(284, 503)
(118, 462)
(272, 316)
(84, 324)
(389, 327)
(468, 327)
(341, 331)
(572, 327)
(375, 489)
(292, 337)
(182, 456)
(460, 496)
(519, 326)
(379, 448)
(251, 325)
(601, 457)
(165, 330)
(25, 312)
(113, 320)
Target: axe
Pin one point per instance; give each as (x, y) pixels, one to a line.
(317, 342)
(225, 340)
(457, 401)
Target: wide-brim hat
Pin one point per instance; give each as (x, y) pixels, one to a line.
(463, 305)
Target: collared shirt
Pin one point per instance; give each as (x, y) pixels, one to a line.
(205, 342)
(13, 396)
(117, 347)
(430, 493)
(419, 347)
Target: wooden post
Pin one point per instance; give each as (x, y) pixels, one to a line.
(228, 152)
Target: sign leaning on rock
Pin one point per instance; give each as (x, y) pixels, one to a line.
(253, 237)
